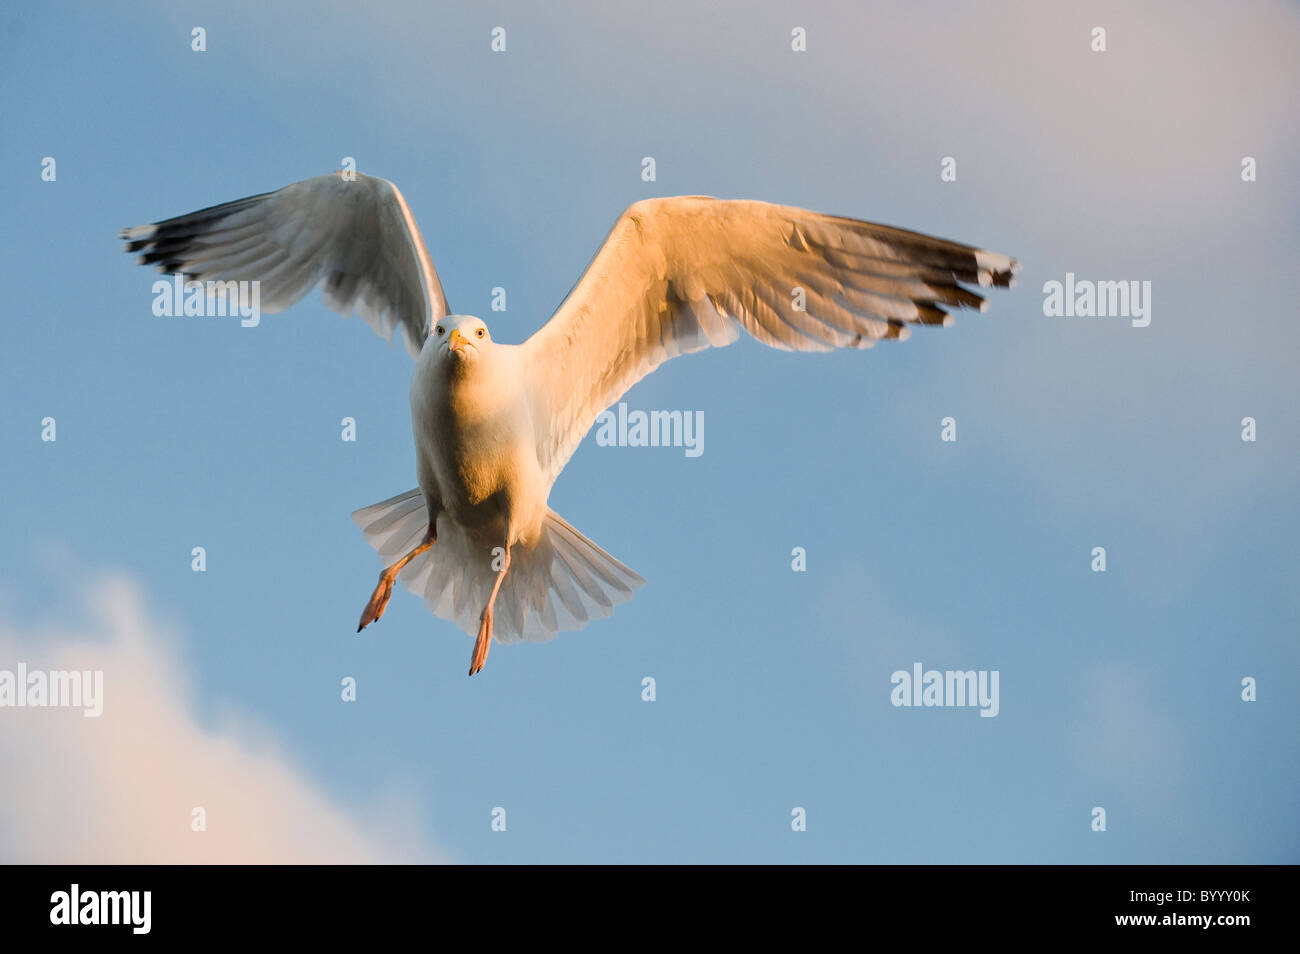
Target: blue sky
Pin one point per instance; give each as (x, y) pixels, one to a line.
(1119, 690)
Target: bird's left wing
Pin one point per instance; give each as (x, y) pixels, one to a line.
(682, 274)
(357, 234)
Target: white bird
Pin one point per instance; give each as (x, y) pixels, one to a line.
(494, 423)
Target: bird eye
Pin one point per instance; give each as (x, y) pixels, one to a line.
(481, 331)
(438, 329)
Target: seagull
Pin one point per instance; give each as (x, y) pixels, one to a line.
(495, 423)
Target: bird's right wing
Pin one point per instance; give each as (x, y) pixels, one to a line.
(682, 274)
(357, 235)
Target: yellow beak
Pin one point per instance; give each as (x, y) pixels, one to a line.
(456, 340)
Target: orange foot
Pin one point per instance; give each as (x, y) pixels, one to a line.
(378, 601)
(482, 644)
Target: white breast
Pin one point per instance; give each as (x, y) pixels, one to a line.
(474, 441)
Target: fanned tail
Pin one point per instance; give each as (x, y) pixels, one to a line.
(560, 582)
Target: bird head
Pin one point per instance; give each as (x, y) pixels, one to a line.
(461, 338)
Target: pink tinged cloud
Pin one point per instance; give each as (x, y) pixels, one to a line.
(122, 788)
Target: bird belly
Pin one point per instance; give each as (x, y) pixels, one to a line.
(477, 459)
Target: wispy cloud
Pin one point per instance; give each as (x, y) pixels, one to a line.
(122, 788)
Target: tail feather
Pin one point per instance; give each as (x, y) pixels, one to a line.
(559, 582)
(389, 524)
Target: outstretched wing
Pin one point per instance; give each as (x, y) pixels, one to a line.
(358, 235)
(682, 274)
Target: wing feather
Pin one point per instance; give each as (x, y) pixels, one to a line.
(679, 275)
(357, 237)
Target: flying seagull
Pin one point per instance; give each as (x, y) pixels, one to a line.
(495, 423)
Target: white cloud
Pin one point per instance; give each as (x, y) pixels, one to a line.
(121, 788)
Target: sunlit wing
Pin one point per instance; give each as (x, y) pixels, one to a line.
(681, 274)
